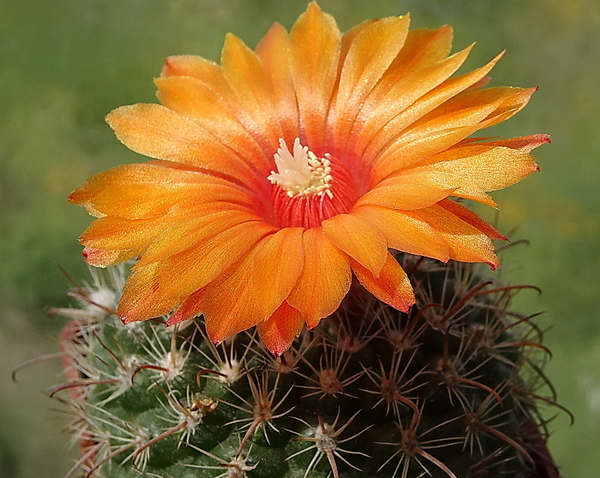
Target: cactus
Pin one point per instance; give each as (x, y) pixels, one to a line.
(448, 390)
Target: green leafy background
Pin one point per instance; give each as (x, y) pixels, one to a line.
(65, 63)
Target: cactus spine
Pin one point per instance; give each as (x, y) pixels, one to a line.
(449, 390)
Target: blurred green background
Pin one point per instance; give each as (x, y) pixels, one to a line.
(65, 63)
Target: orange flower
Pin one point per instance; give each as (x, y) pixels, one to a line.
(284, 171)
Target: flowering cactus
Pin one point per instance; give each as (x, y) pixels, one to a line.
(303, 300)
(284, 172)
(447, 390)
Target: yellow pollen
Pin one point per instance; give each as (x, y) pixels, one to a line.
(301, 173)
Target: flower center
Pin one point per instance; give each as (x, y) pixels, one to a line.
(301, 173)
(308, 190)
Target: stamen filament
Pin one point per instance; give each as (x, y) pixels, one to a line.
(301, 173)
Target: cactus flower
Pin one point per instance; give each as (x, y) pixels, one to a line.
(285, 171)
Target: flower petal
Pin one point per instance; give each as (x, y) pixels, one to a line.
(151, 172)
(426, 46)
(195, 66)
(195, 99)
(507, 101)
(231, 90)
(511, 106)
(245, 75)
(472, 170)
(251, 290)
(198, 233)
(420, 66)
(357, 238)
(325, 279)
(279, 331)
(444, 127)
(105, 258)
(471, 218)
(215, 248)
(139, 300)
(401, 192)
(158, 132)
(391, 286)
(315, 47)
(523, 143)
(412, 97)
(406, 233)
(157, 286)
(467, 241)
(157, 189)
(349, 36)
(369, 56)
(274, 52)
(190, 308)
(115, 233)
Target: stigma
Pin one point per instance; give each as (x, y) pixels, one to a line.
(300, 172)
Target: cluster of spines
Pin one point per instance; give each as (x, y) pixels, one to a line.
(449, 390)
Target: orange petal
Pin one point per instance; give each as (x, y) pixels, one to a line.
(149, 172)
(104, 258)
(245, 75)
(471, 218)
(421, 65)
(209, 251)
(251, 290)
(511, 106)
(153, 190)
(467, 242)
(151, 201)
(155, 288)
(111, 233)
(240, 83)
(433, 134)
(325, 279)
(196, 233)
(524, 143)
(158, 132)
(279, 331)
(392, 286)
(399, 192)
(473, 169)
(191, 97)
(139, 301)
(315, 47)
(418, 145)
(369, 56)
(205, 72)
(406, 233)
(359, 239)
(501, 98)
(411, 98)
(195, 66)
(190, 308)
(349, 36)
(426, 46)
(219, 80)
(274, 53)
(507, 100)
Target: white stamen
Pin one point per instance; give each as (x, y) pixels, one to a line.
(301, 173)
